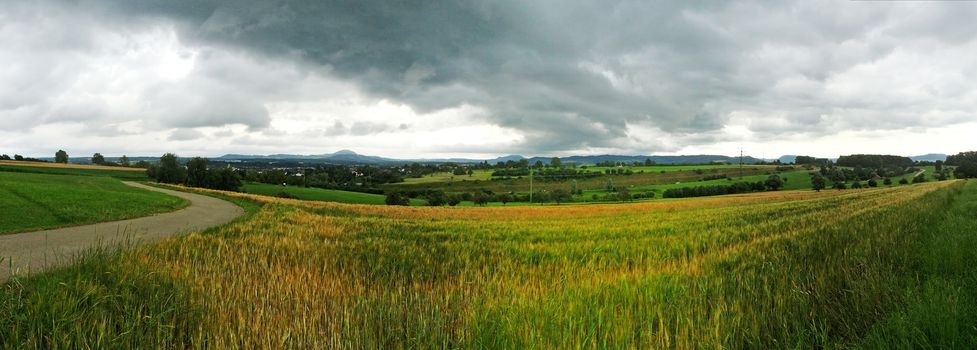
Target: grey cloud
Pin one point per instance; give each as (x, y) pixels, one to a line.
(185, 135)
(568, 75)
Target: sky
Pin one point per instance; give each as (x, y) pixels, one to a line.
(430, 79)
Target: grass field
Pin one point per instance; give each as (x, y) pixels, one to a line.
(128, 174)
(319, 194)
(32, 201)
(448, 177)
(667, 168)
(871, 268)
(592, 183)
(796, 180)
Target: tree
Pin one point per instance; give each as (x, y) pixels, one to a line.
(556, 162)
(818, 182)
(454, 199)
(538, 164)
(197, 172)
(961, 158)
(624, 194)
(840, 186)
(919, 178)
(436, 198)
(124, 161)
(610, 185)
(887, 182)
(774, 182)
(481, 198)
(573, 187)
(470, 172)
(903, 181)
(61, 157)
(873, 183)
(560, 196)
(18, 157)
(170, 170)
(649, 162)
(505, 198)
(856, 184)
(396, 198)
(224, 179)
(966, 170)
(938, 165)
(141, 164)
(97, 158)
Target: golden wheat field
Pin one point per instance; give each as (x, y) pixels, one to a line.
(773, 269)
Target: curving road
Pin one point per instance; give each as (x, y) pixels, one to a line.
(23, 253)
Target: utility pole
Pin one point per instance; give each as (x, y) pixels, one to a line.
(741, 162)
(530, 184)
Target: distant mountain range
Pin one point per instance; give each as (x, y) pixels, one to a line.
(350, 157)
(932, 157)
(347, 156)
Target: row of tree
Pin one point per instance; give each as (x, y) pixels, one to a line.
(773, 183)
(195, 174)
(966, 164)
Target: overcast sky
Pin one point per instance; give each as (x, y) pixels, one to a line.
(481, 79)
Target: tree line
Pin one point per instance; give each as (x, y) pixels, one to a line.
(196, 173)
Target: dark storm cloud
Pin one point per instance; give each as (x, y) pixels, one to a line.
(567, 74)
(556, 71)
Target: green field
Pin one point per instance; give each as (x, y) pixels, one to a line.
(318, 194)
(126, 175)
(448, 177)
(33, 201)
(667, 168)
(521, 185)
(796, 180)
(873, 268)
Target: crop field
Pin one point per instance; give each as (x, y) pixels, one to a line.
(318, 194)
(870, 268)
(448, 177)
(128, 174)
(31, 201)
(585, 183)
(667, 168)
(796, 180)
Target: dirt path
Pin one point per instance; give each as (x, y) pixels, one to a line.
(28, 252)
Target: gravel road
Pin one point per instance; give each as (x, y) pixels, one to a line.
(29, 252)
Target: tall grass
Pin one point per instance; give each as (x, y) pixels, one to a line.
(834, 269)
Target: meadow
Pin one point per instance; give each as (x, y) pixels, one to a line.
(870, 268)
(681, 174)
(318, 194)
(43, 200)
(449, 177)
(127, 174)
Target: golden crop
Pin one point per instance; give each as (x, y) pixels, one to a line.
(734, 271)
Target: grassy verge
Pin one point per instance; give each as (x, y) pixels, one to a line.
(34, 201)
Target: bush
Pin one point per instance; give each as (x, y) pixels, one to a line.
(454, 199)
(481, 198)
(887, 181)
(903, 181)
(285, 194)
(919, 178)
(397, 198)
